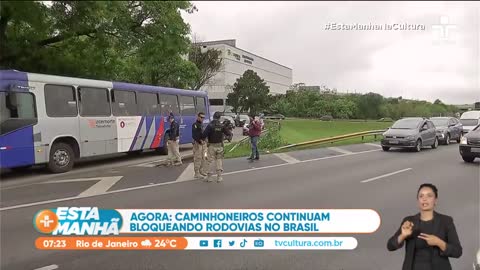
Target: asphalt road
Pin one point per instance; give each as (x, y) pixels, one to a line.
(357, 176)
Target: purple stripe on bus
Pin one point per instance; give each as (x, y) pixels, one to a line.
(149, 122)
(136, 134)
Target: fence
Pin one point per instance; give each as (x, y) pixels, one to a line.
(362, 134)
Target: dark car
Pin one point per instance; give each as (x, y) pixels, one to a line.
(470, 145)
(448, 128)
(412, 132)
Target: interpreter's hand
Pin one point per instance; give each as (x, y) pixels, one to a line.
(407, 228)
(431, 239)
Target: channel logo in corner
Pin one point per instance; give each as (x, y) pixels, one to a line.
(78, 221)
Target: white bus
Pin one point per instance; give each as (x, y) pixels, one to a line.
(57, 120)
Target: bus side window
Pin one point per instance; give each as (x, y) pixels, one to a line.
(148, 104)
(94, 101)
(60, 101)
(124, 103)
(200, 105)
(188, 105)
(169, 103)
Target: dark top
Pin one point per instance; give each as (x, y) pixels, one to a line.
(197, 131)
(443, 227)
(215, 131)
(174, 131)
(423, 252)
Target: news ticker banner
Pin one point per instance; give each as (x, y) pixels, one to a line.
(95, 221)
(194, 243)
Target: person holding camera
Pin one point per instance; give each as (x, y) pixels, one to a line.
(215, 134)
(254, 131)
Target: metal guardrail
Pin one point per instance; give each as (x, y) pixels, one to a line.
(335, 139)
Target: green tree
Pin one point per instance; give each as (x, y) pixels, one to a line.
(208, 63)
(369, 105)
(137, 41)
(233, 99)
(250, 93)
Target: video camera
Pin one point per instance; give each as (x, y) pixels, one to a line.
(230, 126)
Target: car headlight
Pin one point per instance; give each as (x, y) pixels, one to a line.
(464, 140)
(410, 137)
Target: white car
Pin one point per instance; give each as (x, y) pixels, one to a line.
(470, 120)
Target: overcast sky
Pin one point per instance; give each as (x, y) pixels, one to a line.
(418, 64)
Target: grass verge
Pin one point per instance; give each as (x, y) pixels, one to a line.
(300, 130)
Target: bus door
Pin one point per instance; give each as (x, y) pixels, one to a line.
(188, 113)
(97, 126)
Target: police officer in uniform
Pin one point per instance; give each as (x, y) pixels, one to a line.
(173, 138)
(199, 147)
(215, 133)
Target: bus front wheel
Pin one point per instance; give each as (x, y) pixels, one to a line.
(61, 158)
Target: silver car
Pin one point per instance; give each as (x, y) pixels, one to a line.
(412, 132)
(448, 128)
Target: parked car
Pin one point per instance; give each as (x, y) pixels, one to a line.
(470, 120)
(411, 132)
(448, 128)
(227, 117)
(470, 145)
(243, 120)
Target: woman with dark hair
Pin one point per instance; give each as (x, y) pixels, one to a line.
(430, 238)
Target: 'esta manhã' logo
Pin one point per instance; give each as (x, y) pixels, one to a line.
(78, 221)
(45, 221)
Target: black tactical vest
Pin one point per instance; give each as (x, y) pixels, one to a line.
(216, 135)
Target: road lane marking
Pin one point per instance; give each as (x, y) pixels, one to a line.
(287, 158)
(385, 175)
(49, 267)
(175, 182)
(187, 174)
(156, 163)
(340, 150)
(148, 164)
(373, 144)
(102, 186)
